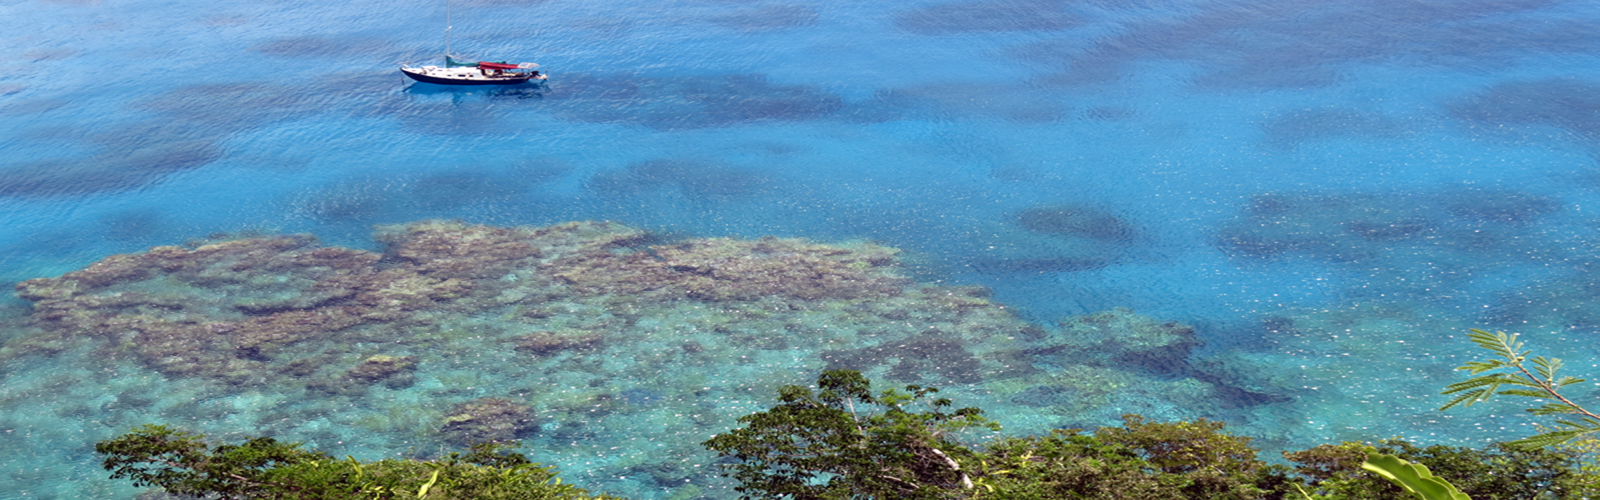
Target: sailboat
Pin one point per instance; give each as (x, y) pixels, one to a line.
(457, 72)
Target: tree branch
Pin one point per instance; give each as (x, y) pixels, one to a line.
(966, 482)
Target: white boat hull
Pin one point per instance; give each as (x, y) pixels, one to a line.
(467, 76)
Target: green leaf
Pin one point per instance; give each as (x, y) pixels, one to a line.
(1414, 478)
(422, 492)
(1526, 393)
(1554, 409)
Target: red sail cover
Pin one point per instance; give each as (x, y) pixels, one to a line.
(490, 65)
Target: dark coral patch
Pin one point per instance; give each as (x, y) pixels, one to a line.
(1303, 44)
(1500, 205)
(688, 102)
(547, 343)
(989, 16)
(926, 358)
(935, 102)
(1076, 221)
(394, 372)
(1389, 230)
(104, 173)
(1350, 228)
(356, 200)
(1457, 223)
(1566, 103)
(32, 106)
(1123, 338)
(769, 18)
(1292, 129)
(1043, 396)
(694, 178)
(316, 46)
(238, 106)
(476, 186)
(131, 225)
(502, 3)
(42, 55)
(488, 420)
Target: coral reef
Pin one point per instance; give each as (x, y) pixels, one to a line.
(394, 372)
(605, 328)
(722, 269)
(486, 420)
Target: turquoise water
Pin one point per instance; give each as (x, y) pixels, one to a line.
(1328, 193)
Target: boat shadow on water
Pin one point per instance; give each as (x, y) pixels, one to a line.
(519, 91)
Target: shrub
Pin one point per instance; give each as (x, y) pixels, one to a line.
(844, 442)
(263, 468)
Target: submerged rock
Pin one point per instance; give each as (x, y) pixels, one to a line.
(487, 420)
(1126, 339)
(394, 372)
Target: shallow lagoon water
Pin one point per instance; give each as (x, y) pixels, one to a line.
(1328, 194)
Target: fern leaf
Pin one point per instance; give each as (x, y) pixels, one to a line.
(1500, 343)
(1477, 367)
(1546, 367)
(1467, 399)
(1553, 409)
(1549, 438)
(1492, 380)
(1526, 393)
(1582, 423)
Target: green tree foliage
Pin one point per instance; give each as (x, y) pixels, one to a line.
(1067, 464)
(840, 440)
(1513, 373)
(1212, 463)
(263, 468)
(1496, 472)
(1139, 460)
(843, 441)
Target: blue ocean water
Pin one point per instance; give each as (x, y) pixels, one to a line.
(1330, 193)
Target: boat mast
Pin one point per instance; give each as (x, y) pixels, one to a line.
(447, 28)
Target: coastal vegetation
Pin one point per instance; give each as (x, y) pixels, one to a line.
(841, 440)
